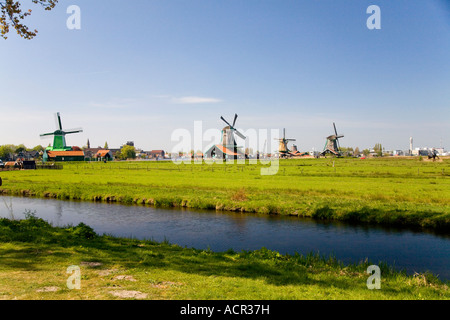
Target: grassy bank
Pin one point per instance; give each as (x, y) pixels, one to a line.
(391, 191)
(34, 257)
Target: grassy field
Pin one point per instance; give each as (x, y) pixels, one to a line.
(393, 191)
(35, 257)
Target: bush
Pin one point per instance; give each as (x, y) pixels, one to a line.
(83, 231)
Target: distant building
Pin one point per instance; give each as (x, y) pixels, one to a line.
(154, 154)
(103, 155)
(219, 151)
(90, 153)
(58, 156)
(427, 151)
(398, 153)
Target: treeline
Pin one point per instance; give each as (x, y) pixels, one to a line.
(350, 152)
(11, 151)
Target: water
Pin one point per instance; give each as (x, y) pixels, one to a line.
(402, 248)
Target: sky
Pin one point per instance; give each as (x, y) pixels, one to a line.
(139, 70)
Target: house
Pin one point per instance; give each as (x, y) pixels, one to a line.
(90, 153)
(219, 151)
(28, 155)
(58, 156)
(104, 155)
(155, 154)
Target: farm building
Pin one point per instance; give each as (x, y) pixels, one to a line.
(58, 156)
(219, 151)
(103, 155)
(90, 153)
(154, 154)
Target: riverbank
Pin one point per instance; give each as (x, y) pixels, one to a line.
(35, 257)
(388, 191)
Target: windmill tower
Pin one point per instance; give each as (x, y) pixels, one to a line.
(59, 136)
(332, 144)
(283, 145)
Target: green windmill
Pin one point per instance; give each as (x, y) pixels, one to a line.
(59, 136)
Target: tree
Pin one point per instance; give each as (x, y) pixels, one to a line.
(378, 149)
(106, 145)
(6, 151)
(11, 15)
(127, 152)
(38, 148)
(357, 152)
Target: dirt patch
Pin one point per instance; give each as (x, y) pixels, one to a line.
(166, 284)
(129, 294)
(107, 272)
(121, 277)
(91, 264)
(48, 289)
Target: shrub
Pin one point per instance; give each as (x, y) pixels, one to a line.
(83, 231)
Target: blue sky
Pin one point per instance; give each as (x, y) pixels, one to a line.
(140, 69)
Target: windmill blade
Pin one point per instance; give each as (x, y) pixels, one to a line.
(240, 134)
(235, 117)
(58, 121)
(289, 139)
(335, 131)
(284, 133)
(77, 130)
(47, 134)
(226, 122)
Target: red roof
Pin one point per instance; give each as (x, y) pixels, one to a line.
(102, 153)
(225, 150)
(65, 153)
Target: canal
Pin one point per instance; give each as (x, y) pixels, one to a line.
(404, 249)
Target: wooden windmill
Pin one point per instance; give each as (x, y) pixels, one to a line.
(59, 136)
(332, 144)
(283, 145)
(228, 140)
(228, 147)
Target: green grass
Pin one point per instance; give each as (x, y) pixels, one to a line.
(392, 191)
(34, 257)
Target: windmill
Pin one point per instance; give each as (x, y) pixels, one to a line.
(228, 132)
(228, 147)
(59, 136)
(332, 144)
(283, 146)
